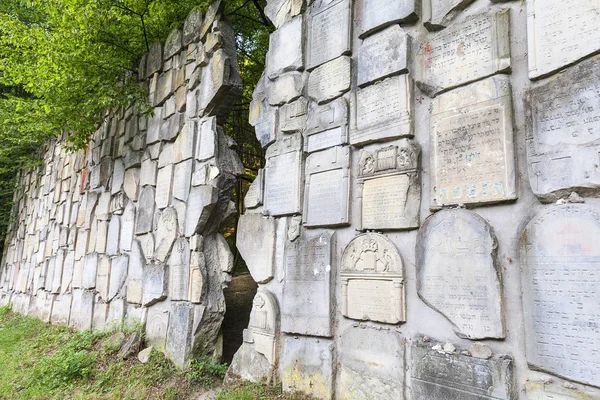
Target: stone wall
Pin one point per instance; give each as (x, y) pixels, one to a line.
(129, 228)
(427, 225)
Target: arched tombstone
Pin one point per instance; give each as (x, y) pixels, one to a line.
(372, 275)
(560, 264)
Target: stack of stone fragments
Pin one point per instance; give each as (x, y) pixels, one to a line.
(427, 225)
(128, 230)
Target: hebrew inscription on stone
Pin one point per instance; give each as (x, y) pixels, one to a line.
(457, 273)
(472, 150)
(389, 186)
(563, 139)
(283, 177)
(327, 190)
(326, 126)
(560, 32)
(328, 34)
(560, 262)
(372, 276)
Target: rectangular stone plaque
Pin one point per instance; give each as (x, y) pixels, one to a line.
(329, 27)
(327, 190)
(472, 150)
(437, 14)
(477, 47)
(283, 177)
(330, 80)
(382, 111)
(326, 126)
(436, 375)
(383, 54)
(560, 32)
(563, 137)
(373, 15)
(255, 194)
(307, 307)
(390, 186)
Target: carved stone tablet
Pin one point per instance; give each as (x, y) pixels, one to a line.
(327, 126)
(283, 177)
(560, 32)
(307, 365)
(373, 15)
(327, 190)
(264, 325)
(452, 57)
(330, 80)
(371, 364)
(255, 194)
(563, 141)
(166, 232)
(560, 259)
(307, 307)
(390, 186)
(438, 13)
(179, 335)
(457, 274)
(329, 27)
(179, 270)
(372, 276)
(436, 375)
(256, 244)
(472, 150)
(383, 54)
(156, 327)
(286, 48)
(382, 111)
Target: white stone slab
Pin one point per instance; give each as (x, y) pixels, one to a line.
(127, 227)
(326, 126)
(389, 186)
(145, 211)
(307, 365)
(373, 15)
(166, 232)
(118, 276)
(286, 48)
(382, 111)
(114, 232)
(255, 194)
(330, 80)
(182, 180)
(458, 275)
(148, 172)
(88, 280)
(292, 116)
(560, 260)
(206, 139)
(328, 32)
(155, 287)
(118, 176)
(256, 244)
(383, 54)
(437, 14)
(307, 306)
(283, 177)
(327, 188)
(164, 186)
(156, 327)
(179, 270)
(560, 32)
(131, 185)
(201, 202)
(472, 149)
(373, 286)
(452, 58)
(103, 276)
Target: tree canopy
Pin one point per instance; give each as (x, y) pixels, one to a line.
(63, 63)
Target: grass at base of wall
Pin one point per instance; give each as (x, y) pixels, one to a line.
(42, 361)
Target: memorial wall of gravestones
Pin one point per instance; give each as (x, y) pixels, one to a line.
(128, 229)
(428, 220)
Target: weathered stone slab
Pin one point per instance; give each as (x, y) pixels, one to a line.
(166, 232)
(286, 48)
(113, 238)
(264, 325)
(183, 148)
(560, 33)
(202, 201)
(563, 139)
(182, 180)
(307, 307)
(292, 116)
(192, 26)
(286, 88)
(329, 26)
(283, 177)
(549, 389)
(156, 327)
(382, 111)
(330, 80)
(127, 227)
(437, 375)
(372, 276)
(179, 269)
(155, 284)
(390, 186)
(472, 150)
(255, 194)
(103, 276)
(82, 310)
(206, 141)
(383, 54)
(373, 15)
(61, 310)
(118, 276)
(179, 335)
(308, 366)
(173, 44)
(560, 258)
(164, 186)
(327, 188)
(437, 14)
(458, 275)
(144, 220)
(281, 11)
(118, 176)
(371, 364)
(88, 280)
(148, 172)
(220, 81)
(326, 126)
(256, 244)
(452, 58)
(262, 116)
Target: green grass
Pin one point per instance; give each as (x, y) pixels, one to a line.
(41, 361)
